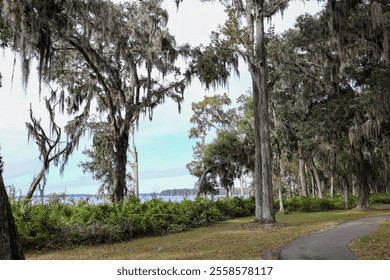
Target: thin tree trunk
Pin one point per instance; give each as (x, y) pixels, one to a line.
(134, 167)
(35, 184)
(302, 171)
(346, 192)
(387, 174)
(317, 178)
(135, 174)
(280, 187)
(242, 193)
(331, 184)
(313, 185)
(10, 248)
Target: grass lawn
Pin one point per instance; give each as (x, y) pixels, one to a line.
(234, 239)
(375, 246)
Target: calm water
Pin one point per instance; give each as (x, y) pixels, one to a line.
(75, 198)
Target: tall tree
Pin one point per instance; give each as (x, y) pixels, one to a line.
(244, 36)
(120, 56)
(361, 31)
(334, 90)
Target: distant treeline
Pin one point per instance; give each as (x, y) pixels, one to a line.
(188, 192)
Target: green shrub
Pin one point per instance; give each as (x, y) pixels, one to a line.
(57, 224)
(235, 207)
(379, 198)
(315, 204)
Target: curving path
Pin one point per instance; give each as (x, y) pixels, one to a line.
(331, 244)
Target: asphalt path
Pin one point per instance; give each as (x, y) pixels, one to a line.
(331, 244)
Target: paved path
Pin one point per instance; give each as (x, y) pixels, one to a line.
(331, 244)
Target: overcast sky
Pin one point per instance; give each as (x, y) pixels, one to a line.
(163, 144)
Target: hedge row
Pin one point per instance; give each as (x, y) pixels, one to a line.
(57, 224)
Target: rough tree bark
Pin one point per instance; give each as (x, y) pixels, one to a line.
(120, 161)
(258, 166)
(10, 248)
(258, 71)
(363, 187)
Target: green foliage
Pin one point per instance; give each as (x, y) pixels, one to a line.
(57, 224)
(379, 198)
(214, 63)
(315, 204)
(236, 206)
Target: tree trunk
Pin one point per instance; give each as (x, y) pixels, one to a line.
(317, 178)
(258, 165)
(387, 173)
(280, 187)
(354, 187)
(228, 192)
(302, 171)
(35, 184)
(242, 193)
(346, 192)
(135, 174)
(363, 188)
(134, 166)
(313, 185)
(120, 160)
(268, 214)
(331, 184)
(10, 248)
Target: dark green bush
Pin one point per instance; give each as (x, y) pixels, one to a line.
(315, 204)
(236, 207)
(379, 198)
(58, 224)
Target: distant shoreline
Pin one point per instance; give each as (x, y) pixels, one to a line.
(175, 195)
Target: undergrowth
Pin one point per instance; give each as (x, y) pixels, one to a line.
(58, 224)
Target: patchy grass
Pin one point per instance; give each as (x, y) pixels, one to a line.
(375, 246)
(232, 239)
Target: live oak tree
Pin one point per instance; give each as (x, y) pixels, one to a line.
(244, 36)
(120, 57)
(360, 30)
(336, 94)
